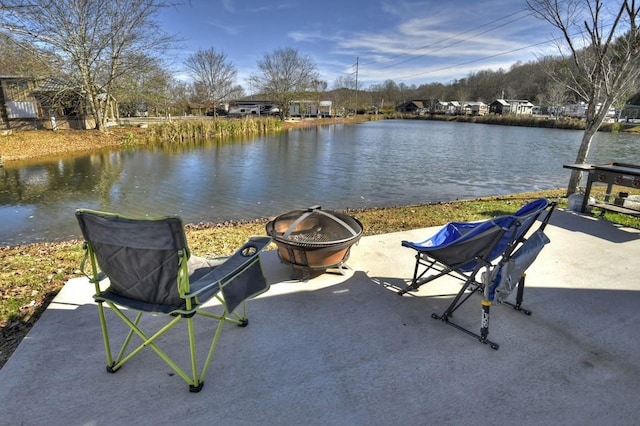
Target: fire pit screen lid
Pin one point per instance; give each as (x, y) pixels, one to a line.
(314, 226)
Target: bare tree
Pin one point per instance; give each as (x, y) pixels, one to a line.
(601, 40)
(554, 96)
(94, 37)
(150, 87)
(180, 93)
(213, 76)
(24, 59)
(343, 94)
(284, 73)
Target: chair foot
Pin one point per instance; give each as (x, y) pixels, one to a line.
(407, 289)
(482, 339)
(493, 345)
(444, 317)
(112, 370)
(243, 322)
(518, 307)
(196, 389)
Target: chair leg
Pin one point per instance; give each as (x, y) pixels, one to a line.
(207, 362)
(458, 301)
(484, 325)
(196, 384)
(414, 280)
(519, 296)
(484, 329)
(105, 337)
(417, 281)
(147, 341)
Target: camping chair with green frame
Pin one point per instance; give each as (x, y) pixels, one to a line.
(150, 270)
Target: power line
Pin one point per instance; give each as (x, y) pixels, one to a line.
(475, 60)
(485, 57)
(459, 40)
(455, 37)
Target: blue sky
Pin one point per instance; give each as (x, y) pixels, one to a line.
(411, 42)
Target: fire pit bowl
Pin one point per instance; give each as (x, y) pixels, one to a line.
(314, 239)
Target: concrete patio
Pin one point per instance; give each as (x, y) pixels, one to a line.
(346, 350)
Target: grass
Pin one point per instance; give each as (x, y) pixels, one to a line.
(32, 275)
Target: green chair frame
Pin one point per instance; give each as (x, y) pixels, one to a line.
(151, 271)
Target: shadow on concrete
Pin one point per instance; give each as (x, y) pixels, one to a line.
(599, 228)
(347, 353)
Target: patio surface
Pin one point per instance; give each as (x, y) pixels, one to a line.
(346, 350)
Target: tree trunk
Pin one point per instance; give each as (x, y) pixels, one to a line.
(583, 151)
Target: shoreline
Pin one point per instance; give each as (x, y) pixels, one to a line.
(32, 146)
(32, 274)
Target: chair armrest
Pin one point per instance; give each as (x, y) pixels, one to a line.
(232, 266)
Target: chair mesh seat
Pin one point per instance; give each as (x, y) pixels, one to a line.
(151, 270)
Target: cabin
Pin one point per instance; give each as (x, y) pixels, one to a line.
(475, 108)
(415, 107)
(18, 106)
(31, 103)
(499, 106)
(306, 108)
(520, 106)
(511, 106)
(448, 107)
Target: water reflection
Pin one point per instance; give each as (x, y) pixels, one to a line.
(371, 164)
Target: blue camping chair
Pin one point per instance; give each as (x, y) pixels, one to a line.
(497, 247)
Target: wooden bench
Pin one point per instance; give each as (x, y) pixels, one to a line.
(617, 209)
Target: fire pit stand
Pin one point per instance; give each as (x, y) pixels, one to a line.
(314, 239)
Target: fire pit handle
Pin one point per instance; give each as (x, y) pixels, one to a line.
(302, 217)
(341, 222)
(296, 222)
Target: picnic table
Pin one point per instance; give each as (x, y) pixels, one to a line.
(621, 174)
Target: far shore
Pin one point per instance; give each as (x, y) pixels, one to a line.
(36, 145)
(17, 146)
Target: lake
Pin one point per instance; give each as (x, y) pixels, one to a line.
(372, 164)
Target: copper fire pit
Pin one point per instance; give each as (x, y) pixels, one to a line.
(314, 239)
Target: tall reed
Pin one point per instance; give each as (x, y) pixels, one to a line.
(189, 130)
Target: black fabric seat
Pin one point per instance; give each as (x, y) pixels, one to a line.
(150, 270)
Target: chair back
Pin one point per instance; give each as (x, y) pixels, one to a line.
(518, 224)
(141, 257)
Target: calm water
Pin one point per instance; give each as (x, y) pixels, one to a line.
(381, 163)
